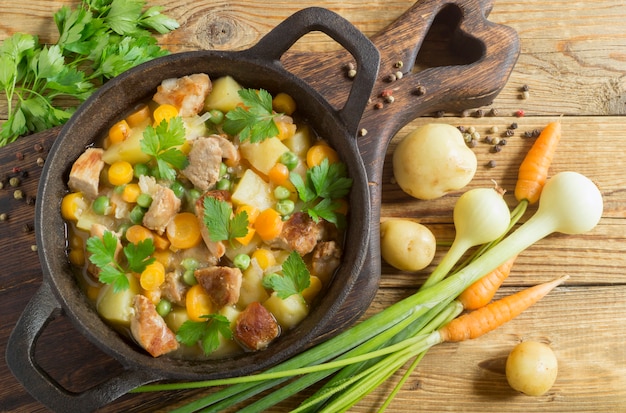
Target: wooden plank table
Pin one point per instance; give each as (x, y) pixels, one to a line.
(573, 59)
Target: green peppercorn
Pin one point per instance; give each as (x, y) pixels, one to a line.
(14, 181)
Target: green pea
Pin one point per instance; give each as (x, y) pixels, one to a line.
(280, 192)
(223, 169)
(242, 261)
(289, 159)
(193, 195)
(141, 169)
(144, 200)
(223, 185)
(136, 214)
(189, 277)
(101, 205)
(285, 206)
(164, 307)
(217, 116)
(190, 263)
(178, 188)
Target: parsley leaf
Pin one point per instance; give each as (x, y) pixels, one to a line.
(206, 332)
(295, 279)
(102, 254)
(162, 144)
(97, 40)
(219, 220)
(322, 186)
(255, 122)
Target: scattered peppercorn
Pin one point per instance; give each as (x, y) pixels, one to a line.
(479, 113)
(363, 132)
(461, 128)
(494, 112)
(14, 182)
(420, 90)
(472, 143)
(465, 113)
(525, 88)
(391, 78)
(18, 194)
(19, 156)
(399, 64)
(38, 147)
(525, 94)
(509, 133)
(389, 99)
(536, 133)
(378, 105)
(494, 129)
(16, 169)
(520, 113)
(491, 164)
(386, 92)
(496, 148)
(502, 142)
(4, 216)
(30, 200)
(27, 228)
(352, 73)
(33, 248)
(440, 114)
(24, 173)
(513, 125)
(399, 74)
(488, 139)
(40, 161)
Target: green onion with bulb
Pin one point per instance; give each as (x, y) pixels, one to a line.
(570, 203)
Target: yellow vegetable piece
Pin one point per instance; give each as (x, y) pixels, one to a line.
(163, 256)
(137, 233)
(268, 224)
(198, 303)
(264, 258)
(119, 132)
(72, 206)
(284, 103)
(318, 152)
(131, 192)
(164, 112)
(161, 242)
(279, 174)
(139, 116)
(183, 231)
(315, 286)
(285, 130)
(76, 256)
(153, 276)
(120, 173)
(245, 240)
(252, 212)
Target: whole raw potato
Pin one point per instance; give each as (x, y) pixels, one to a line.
(531, 368)
(406, 244)
(432, 161)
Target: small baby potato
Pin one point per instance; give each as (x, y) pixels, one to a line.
(531, 368)
(432, 161)
(406, 244)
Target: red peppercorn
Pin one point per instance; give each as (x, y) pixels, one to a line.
(520, 113)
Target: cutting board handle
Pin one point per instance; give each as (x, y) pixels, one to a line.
(20, 357)
(280, 39)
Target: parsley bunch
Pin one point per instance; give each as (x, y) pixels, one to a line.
(97, 41)
(324, 184)
(162, 144)
(102, 250)
(206, 332)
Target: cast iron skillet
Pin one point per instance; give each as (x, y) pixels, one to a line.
(338, 109)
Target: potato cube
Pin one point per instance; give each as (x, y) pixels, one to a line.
(263, 155)
(254, 191)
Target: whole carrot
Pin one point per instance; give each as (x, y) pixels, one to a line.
(493, 315)
(482, 291)
(533, 170)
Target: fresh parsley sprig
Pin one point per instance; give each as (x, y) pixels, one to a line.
(324, 184)
(295, 279)
(102, 254)
(206, 332)
(97, 40)
(220, 221)
(254, 122)
(162, 144)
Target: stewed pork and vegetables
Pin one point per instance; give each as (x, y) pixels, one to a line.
(208, 220)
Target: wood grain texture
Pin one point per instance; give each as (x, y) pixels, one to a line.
(573, 58)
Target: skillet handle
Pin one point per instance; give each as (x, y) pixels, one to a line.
(20, 357)
(275, 43)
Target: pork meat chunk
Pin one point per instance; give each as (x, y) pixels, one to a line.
(149, 329)
(85, 173)
(187, 93)
(174, 288)
(205, 158)
(222, 284)
(300, 233)
(325, 259)
(255, 327)
(165, 205)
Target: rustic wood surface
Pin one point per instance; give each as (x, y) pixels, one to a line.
(573, 59)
